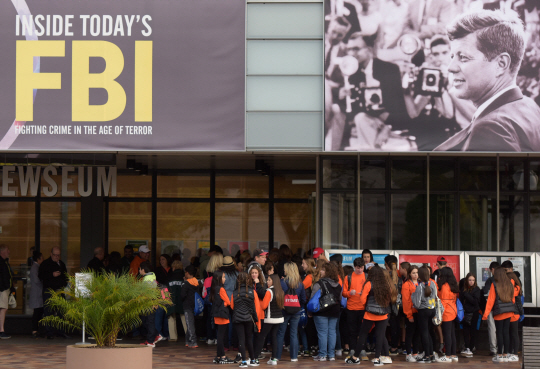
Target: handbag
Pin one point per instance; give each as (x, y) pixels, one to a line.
(328, 300)
(12, 302)
(439, 311)
(467, 318)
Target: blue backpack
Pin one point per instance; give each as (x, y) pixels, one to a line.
(313, 305)
(460, 311)
(199, 304)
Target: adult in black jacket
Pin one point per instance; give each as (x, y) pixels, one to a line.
(6, 287)
(96, 264)
(470, 299)
(53, 274)
(326, 319)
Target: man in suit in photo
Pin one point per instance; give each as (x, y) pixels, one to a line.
(427, 18)
(487, 49)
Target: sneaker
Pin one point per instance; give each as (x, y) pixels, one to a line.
(454, 358)
(294, 360)
(210, 342)
(237, 359)
(467, 353)
(386, 360)
(410, 359)
(505, 358)
(4, 336)
(261, 356)
(339, 352)
(377, 362)
(243, 364)
(265, 351)
(394, 352)
(149, 344)
(159, 337)
(331, 359)
(320, 358)
(363, 355)
(193, 346)
(420, 355)
(499, 359)
(253, 362)
(444, 359)
(272, 362)
(288, 348)
(425, 360)
(513, 358)
(474, 350)
(305, 353)
(216, 360)
(226, 360)
(346, 351)
(350, 360)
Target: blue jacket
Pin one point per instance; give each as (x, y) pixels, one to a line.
(300, 291)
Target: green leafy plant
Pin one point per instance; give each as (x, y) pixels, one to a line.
(111, 304)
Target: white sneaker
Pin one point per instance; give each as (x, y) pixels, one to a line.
(386, 360)
(420, 355)
(444, 359)
(499, 359)
(410, 359)
(513, 358)
(210, 342)
(339, 352)
(378, 362)
(467, 353)
(454, 358)
(294, 360)
(272, 362)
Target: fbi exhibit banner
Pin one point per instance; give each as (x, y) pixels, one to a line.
(395, 82)
(122, 75)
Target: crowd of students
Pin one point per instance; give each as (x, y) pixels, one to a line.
(334, 310)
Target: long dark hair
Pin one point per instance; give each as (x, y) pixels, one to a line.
(514, 277)
(244, 279)
(466, 286)
(423, 275)
(217, 283)
(447, 276)
(380, 286)
(278, 291)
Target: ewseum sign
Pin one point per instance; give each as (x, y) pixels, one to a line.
(52, 181)
(122, 75)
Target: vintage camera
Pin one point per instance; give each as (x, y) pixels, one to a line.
(373, 100)
(429, 82)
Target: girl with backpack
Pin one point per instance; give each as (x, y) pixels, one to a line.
(273, 317)
(219, 310)
(501, 301)
(377, 295)
(326, 319)
(295, 299)
(244, 303)
(411, 347)
(391, 263)
(424, 301)
(448, 292)
(514, 320)
(470, 299)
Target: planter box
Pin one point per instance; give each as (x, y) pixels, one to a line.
(122, 356)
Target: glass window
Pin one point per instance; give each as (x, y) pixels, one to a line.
(409, 174)
(293, 224)
(511, 223)
(241, 224)
(478, 174)
(373, 222)
(441, 222)
(512, 174)
(442, 174)
(294, 186)
(477, 223)
(133, 186)
(372, 174)
(339, 173)
(183, 186)
(534, 173)
(255, 186)
(339, 221)
(17, 220)
(129, 221)
(409, 222)
(61, 226)
(535, 223)
(180, 226)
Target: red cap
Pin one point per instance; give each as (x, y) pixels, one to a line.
(441, 258)
(317, 252)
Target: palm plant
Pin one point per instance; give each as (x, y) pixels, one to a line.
(111, 304)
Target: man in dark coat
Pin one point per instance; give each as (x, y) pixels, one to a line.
(96, 264)
(53, 274)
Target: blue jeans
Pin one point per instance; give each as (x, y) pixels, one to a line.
(293, 320)
(303, 337)
(326, 331)
(162, 324)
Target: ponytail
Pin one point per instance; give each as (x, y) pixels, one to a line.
(393, 273)
(423, 275)
(427, 290)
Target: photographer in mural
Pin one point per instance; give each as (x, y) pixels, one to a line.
(455, 77)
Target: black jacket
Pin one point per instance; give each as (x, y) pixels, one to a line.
(96, 265)
(6, 280)
(470, 300)
(333, 288)
(187, 296)
(163, 276)
(219, 310)
(46, 270)
(176, 281)
(244, 305)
